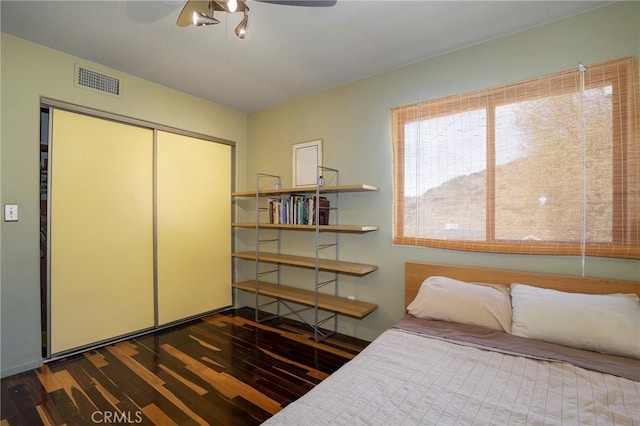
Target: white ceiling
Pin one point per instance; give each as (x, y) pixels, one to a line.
(289, 51)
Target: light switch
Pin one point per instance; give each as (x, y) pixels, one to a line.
(10, 212)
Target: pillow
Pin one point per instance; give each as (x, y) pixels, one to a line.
(447, 299)
(603, 323)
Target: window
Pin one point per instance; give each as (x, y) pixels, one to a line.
(546, 166)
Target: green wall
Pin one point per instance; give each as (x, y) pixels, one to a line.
(29, 72)
(354, 122)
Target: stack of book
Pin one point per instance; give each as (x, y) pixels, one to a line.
(298, 210)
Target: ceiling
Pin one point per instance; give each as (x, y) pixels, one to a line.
(289, 51)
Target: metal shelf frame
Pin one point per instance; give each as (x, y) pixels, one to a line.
(327, 268)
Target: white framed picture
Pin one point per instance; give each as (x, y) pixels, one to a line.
(306, 157)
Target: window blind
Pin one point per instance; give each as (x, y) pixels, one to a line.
(544, 166)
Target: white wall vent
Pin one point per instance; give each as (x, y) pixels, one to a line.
(97, 81)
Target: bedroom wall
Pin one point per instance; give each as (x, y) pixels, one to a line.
(29, 72)
(354, 122)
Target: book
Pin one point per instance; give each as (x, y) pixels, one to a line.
(298, 210)
(323, 211)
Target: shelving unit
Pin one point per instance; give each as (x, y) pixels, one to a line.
(326, 305)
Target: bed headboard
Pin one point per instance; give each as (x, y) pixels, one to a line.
(415, 273)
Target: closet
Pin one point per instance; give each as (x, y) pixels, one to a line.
(139, 229)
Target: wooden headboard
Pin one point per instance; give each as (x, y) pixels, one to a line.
(415, 273)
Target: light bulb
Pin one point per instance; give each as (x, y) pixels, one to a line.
(241, 29)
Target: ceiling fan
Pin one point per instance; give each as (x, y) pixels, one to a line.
(200, 12)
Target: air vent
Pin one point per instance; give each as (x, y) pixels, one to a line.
(97, 81)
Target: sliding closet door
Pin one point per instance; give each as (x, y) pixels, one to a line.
(193, 226)
(101, 230)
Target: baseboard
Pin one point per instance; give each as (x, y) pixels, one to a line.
(21, 368)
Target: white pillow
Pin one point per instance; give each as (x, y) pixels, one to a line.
(603, 323)
(447, 299)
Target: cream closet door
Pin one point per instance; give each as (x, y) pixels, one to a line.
(193, 226)
(101, 282)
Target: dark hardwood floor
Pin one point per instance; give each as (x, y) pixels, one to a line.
(224, 369)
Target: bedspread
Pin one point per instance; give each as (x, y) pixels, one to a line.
(405, 378)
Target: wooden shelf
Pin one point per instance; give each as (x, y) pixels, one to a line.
(358, 229)
(308, 189)
(352, 308)
(350, 268)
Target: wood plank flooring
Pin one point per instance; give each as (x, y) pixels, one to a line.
(224, 369)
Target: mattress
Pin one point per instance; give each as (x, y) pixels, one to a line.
(433, 372)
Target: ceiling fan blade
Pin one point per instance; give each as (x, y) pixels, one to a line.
(186, 15)
(308, 3)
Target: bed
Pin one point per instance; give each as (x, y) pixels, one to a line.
(463, 368)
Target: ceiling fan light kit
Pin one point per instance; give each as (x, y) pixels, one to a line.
(200, 19)
(241, 29)
(200, 13)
